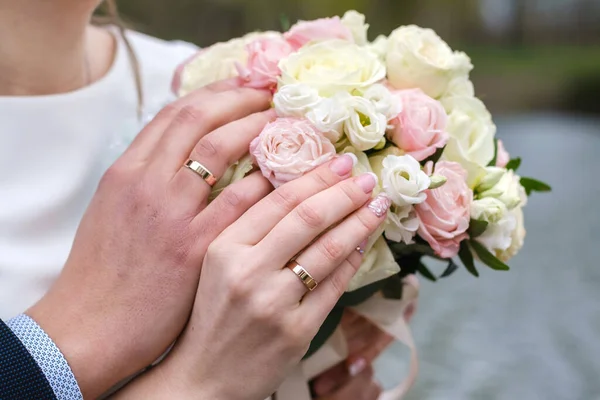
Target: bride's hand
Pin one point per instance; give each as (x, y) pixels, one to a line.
(253, 318)
(128, 286)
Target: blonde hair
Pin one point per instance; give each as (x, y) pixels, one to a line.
(110, 16)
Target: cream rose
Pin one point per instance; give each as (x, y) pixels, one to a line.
(332, 66)
(355, 22)
(403, 180)
(215, 63)
(460, 86)
(489, 209)
(517, 237)
(498, 236)
(385, 102)
(418, 58)
(288, 148)
(379, 46)
(295, 100)
(508, 189)
(328, 116)
(365, 127)
(233, 174)
(378, 263)
(401, 224)
(471, 130)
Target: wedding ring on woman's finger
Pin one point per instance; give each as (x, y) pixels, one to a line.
(201, 171)
(303, 275)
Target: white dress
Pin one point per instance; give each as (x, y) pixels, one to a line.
(53, 151)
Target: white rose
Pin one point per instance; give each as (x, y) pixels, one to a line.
(355, 22)
(419, 58)
(508, 190)
(491, 178)
(383, 100)
(328, 116)
(379, 46)
(401, 224)
(403, 180)
(472, 131)
(498, 236)
(295, 100)
(332, 66)
(488, 209)
(217, 62)
(460, 86)
(378, 263)
(517, 237)
(365, 127)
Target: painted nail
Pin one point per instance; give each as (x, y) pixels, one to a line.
(353, 157)
(362, 246)
(357, 367)
(380, 205)
(342, 165)
(367, 182)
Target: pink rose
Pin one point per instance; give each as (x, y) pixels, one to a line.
(288, 148)
(320, 29)
(445, 214)
(502, 157)
(420, 128)
(262, 68)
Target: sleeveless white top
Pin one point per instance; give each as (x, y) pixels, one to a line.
(53, 151)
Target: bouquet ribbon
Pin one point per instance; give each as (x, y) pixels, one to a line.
(391, 316)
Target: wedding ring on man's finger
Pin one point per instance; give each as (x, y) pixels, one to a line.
(201, 171)
(303, 274)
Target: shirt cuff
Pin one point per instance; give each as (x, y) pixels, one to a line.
(48, 357)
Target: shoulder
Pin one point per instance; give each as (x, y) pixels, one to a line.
(158, 60)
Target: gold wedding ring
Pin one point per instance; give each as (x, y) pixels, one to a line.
(202, 171)
(303, 274)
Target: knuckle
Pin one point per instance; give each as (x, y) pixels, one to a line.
(170, 111)
(309, 216)
(190, 114)
(232, 197)
(207, 147)
(356, 196)
(367, 223)
(322, 178)
(264, 311)
(332, 249)
(285, 198)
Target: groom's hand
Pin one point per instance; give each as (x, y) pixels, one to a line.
(128, 286)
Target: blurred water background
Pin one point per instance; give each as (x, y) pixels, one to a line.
(534, 332)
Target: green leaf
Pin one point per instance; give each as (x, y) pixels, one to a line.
(476, 228)
(285, 22)
(466, 257)
(329, 326)
(514, 164)
(452, 266)
(533, 185)
(358, 296)
(488, 258)
(435, 156)
(493, 162)
(423, 270)
(402, 249)
(393, 288)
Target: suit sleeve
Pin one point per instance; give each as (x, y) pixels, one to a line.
(40, 365)
(20, 376)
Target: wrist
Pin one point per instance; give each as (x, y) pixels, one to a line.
(87, 354)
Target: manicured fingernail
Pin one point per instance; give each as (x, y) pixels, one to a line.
(357, 367)
(342, 165)
(367, 182)
(380, 205)
(353, 157)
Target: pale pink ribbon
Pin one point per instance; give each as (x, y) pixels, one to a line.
(391, 316)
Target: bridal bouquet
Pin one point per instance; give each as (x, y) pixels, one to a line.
(404, 106)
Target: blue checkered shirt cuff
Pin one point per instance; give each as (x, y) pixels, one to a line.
(47, 355)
